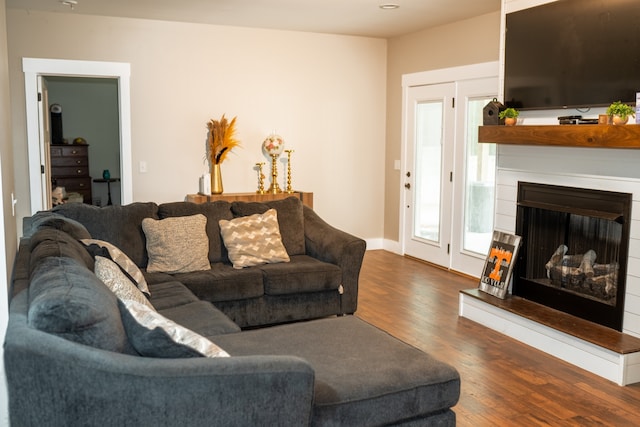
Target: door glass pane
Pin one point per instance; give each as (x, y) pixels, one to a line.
(479, 183)
(428, 170)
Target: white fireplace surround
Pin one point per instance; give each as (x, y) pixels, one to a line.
(595, 168)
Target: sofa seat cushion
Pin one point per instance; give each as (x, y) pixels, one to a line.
(201, 317)
(66, 299)
(170, 294)
(224, 283)
(302, 274)
(119, 225)
(214, 211)
(364, 376)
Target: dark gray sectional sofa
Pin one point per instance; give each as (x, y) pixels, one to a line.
(71, 357)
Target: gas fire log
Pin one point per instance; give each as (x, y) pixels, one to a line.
(586, 266)
(556, 258)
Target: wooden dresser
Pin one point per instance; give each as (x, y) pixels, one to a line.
(70, 169)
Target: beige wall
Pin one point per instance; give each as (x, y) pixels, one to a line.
(8, 238)
(325, 94)
(466, 42)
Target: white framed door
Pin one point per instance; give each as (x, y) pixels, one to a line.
(34, 69)
(429, 165)
(448, 178)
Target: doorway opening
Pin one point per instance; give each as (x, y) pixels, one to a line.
(88, 116)
(36, 72)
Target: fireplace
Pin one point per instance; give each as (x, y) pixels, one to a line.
(575, 244)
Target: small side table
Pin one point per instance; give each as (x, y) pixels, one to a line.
(108, 181)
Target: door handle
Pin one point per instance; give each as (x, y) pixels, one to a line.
(407, 186)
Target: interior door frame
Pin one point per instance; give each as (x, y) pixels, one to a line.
(34, 68)
(444, 75)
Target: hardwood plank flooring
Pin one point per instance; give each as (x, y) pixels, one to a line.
(503, 382)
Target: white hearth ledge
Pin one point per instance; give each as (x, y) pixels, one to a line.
(623, 369)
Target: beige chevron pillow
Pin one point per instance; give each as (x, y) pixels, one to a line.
(253, 240)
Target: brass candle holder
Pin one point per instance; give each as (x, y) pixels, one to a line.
(260, 178)
(274, 188)
(289, 189)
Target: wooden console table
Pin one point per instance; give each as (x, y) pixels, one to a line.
(307, 198)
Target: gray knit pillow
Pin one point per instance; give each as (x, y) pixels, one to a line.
(178, 244)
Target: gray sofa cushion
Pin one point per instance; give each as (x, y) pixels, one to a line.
(66, 299)
(214, 211)
(224, 283)
(302, 274)
(201, 317)
(170, 294)
(364, 376)
(119, 225)
(290, 220)
(49, 242)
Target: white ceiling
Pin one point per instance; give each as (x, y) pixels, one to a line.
(351, 17)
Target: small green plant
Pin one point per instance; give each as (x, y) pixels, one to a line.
(621, 110)
(509, 112)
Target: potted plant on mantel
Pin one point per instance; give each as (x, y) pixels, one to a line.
(510, 116)
(620, 113)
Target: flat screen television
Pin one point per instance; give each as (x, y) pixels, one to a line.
(572, 54)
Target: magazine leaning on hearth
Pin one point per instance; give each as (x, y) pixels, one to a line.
(499, 264)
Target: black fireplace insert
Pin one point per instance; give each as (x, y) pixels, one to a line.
(575, 244)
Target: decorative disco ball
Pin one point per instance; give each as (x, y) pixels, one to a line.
(273, 145)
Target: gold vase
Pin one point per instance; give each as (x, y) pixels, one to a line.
(216, 179)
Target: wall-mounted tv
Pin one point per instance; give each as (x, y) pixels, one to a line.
(572, 54)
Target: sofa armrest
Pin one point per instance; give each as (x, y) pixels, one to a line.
(329, 244)
(55, 382)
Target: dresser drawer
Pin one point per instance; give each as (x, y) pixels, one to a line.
(70, 171)
(69, 161)
(73, 184)
(69, 150)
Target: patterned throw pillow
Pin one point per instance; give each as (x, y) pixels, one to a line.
(123, 261)
(111, 275)
(253, 240)
(153, 335)
(177, 244)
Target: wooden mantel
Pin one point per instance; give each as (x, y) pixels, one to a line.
(594, 136)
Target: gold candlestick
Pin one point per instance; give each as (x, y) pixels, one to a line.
(289, 188)
(260, 178)
(274, 188)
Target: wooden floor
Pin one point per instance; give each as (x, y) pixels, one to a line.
(504, 382)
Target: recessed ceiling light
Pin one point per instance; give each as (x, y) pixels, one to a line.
(389, 6)
(70, 3)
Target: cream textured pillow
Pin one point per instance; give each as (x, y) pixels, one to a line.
(111, 275)
(177, 244)
(253, 240)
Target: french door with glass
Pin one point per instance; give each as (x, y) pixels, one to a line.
(449, 177)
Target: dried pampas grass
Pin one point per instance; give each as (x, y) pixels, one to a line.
(221, 139)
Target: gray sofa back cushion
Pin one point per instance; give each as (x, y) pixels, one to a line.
(66, 299)
(55, 243)
(214, 212)
(48, 219)
(290, 220)
(120, 225)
